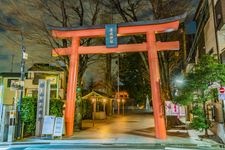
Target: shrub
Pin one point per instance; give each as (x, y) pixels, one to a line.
(56, 107)
(29, 110)
(28, 114)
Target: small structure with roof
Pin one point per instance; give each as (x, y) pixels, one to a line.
(101, 104)
(55, 74)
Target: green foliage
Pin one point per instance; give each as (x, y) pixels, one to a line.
(196, 89)
(28, 114)
(133, 76)
(56, 107)
(29, 110)
(185, 98)
(87, 109)
(199, 121)
(79, 111)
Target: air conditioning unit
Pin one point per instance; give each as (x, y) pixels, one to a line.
(220, 14)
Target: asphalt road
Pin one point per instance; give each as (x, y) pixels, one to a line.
(120, 146)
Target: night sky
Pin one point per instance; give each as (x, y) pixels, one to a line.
(10, 42)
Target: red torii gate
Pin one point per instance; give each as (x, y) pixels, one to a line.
(151, 46)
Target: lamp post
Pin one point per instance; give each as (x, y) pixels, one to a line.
(94, 109)
(118, 104)
(123, 101)
(104, 102)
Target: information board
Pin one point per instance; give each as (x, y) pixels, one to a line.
(58, 128)
(48, 125)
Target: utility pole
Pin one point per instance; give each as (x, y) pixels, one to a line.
(22, 76)
(12, 62)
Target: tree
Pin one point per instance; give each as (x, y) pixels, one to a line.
(196, 90)
(140, 10)
(132, 75)
(34, 17)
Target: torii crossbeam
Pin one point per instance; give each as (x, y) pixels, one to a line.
(151, 47)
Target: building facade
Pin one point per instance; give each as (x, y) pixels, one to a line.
(56, 75)
(7, 93)
(210, 39)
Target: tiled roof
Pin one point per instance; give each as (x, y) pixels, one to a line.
(10, 74)
(44, 67)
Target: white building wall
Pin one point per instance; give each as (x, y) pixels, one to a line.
(8, 93)
(221, 40)
(209, 32)
(221, 37)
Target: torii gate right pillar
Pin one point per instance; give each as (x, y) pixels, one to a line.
(160, 128)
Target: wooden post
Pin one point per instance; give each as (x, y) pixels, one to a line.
(71, 87)
(160, 129)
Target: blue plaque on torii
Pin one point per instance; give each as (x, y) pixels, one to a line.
(111, 35)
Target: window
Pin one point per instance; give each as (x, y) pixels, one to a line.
(9, 82)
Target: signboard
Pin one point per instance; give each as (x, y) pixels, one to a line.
(222, 90)
(58, 128)
(221, 96)
(25, 55)
(111, 35)
(221, 93)
(48, 125)
(43, 98)
(42, 103)
(174, 109)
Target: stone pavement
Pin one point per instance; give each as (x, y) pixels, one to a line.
(135, 128)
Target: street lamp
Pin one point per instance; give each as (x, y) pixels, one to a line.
(178, 83)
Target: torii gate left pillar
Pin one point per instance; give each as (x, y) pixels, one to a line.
(151, 46)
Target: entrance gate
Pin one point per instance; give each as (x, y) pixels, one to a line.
(151, 46)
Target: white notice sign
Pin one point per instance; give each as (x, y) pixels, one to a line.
(221, 96)
(58, 128)
(48, 125)
(174, 109)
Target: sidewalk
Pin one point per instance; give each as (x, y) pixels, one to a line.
(131, 129)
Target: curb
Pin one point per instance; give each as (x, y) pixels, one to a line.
(23, 143)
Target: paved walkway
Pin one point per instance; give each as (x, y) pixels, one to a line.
(136, 128)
